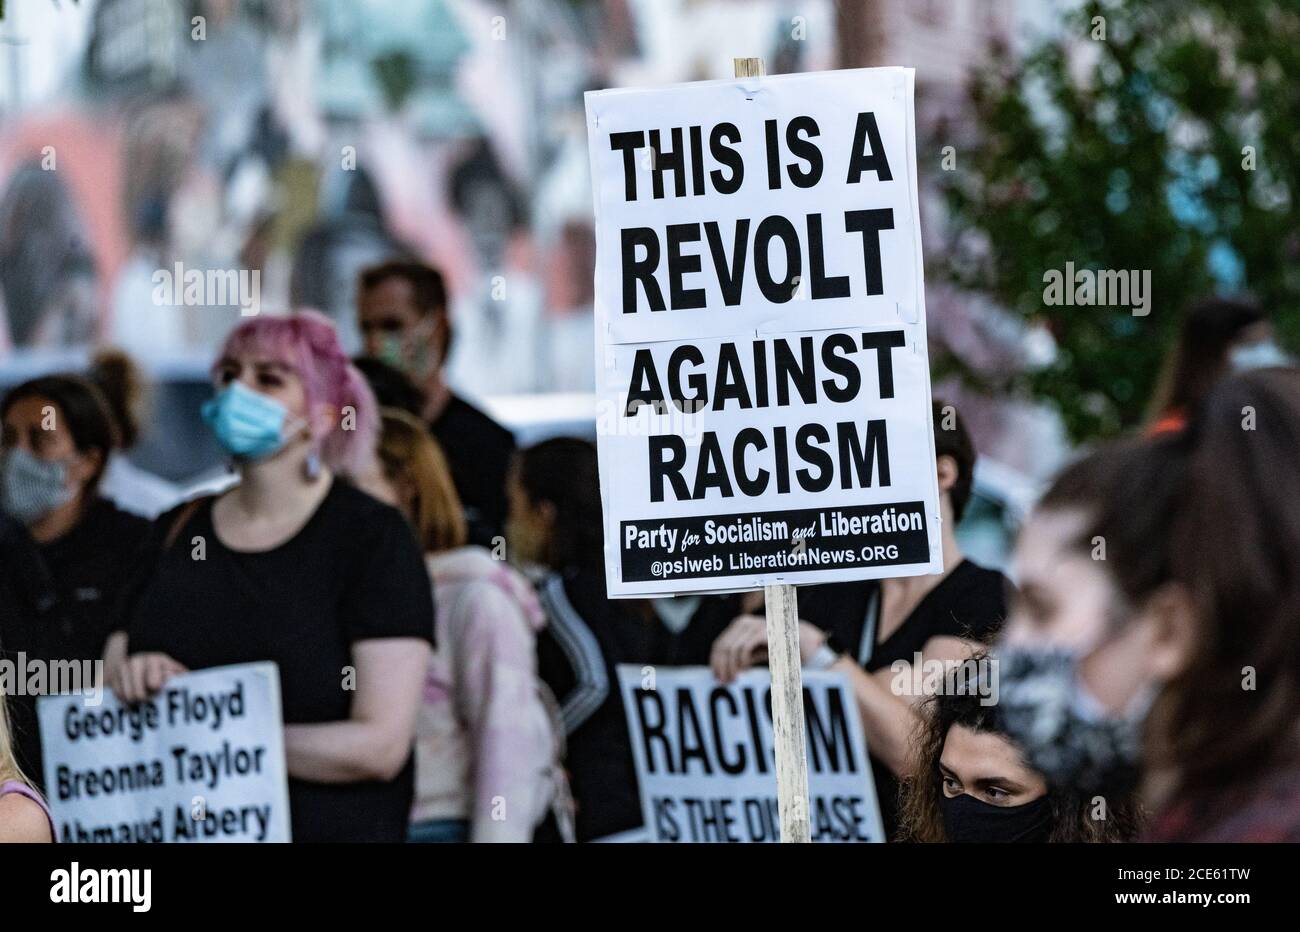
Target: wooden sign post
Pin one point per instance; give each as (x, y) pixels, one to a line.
(784, 662)
(808, 456)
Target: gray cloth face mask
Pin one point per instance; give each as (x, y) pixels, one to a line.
(30, 487)
(1063, 731)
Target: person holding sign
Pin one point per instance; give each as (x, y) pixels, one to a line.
(878, 631)
(970, 782)
(295, 566)
(760, 330)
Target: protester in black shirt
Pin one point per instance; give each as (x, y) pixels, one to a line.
(690, 624)
(58, 434)
(26, 589)
(402, 313)
(878, 632)
(479, 451)
(27, 609)
(299, 568)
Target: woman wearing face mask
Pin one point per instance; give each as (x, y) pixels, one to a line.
(57, 436)
(1097, 627)
(972, 783)
(1174, 667)
(873, 631)
(1224, 759)
(1218, 336)
(487, 755)
(302, 569)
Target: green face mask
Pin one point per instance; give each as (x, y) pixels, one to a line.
(390, 351)
(417, 363)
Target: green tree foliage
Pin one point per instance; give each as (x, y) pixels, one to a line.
(1133, 151)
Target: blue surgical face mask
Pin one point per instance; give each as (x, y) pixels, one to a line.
(248, 424)
(1258, 355)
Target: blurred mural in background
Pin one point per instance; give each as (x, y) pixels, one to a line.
(305, 139)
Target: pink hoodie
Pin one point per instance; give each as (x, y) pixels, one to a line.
(485, 746)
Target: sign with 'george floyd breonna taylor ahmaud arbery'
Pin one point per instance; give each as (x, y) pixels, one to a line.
(762, 379)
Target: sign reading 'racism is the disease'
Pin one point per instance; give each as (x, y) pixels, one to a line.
(704, 757)
(761, 367)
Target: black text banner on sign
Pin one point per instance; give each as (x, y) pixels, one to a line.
(761, 358)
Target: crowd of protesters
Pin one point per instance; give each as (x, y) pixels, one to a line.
(1148, 675)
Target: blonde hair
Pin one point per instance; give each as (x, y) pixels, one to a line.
(407, 450)
(9, 769)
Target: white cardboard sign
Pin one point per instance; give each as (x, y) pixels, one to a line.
(203, 760)
(705, 765)
(762, 376)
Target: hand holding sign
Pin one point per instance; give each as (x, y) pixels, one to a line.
(744, 644)
(800, 352)
(139, 676)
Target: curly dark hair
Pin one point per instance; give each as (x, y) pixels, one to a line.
(920, 814)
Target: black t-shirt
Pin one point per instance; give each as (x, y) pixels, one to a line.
(586, 637)
(970, 602)
(478, 450)
(83, 572)
(692, 646)
(89, 565)
(27, 607)
(354, 572)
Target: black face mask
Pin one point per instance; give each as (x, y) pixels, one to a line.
(967, 819)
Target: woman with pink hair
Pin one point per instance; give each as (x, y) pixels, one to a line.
(296, 566)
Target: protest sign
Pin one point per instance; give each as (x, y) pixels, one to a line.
(762, 377)
(203, 760)
(705, 763)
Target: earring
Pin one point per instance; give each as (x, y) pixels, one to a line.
(311, 466)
